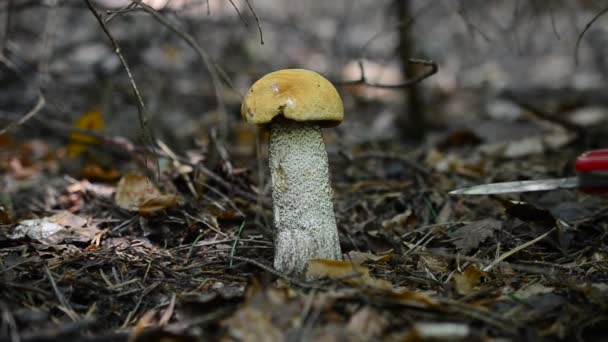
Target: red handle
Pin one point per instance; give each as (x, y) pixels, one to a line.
(592, 161)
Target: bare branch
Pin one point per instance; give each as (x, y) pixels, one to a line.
(417, 79)
(141, 108)
(236, 9)
(37, 107)
(213, 68)
(587, 27)
(7, 25)
(257, 20)
(35, 110)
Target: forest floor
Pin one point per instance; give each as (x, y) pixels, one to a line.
(85, 257)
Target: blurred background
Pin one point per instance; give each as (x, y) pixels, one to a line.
(492, 56)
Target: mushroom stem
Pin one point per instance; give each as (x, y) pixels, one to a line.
(304, 221)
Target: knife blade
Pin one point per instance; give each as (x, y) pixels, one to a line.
(519, 186)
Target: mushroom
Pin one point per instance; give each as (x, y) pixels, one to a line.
(296, 104)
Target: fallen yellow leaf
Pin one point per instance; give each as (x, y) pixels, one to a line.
(345, 271)
(90, 121)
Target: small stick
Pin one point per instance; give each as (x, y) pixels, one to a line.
(236, 241)
(141, 107)
(515, 250)
(64, 304)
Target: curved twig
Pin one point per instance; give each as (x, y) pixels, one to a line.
(417, 79)
(37, 107)
(587, 27)
(141, 107)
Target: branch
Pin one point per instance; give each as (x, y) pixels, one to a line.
(141, 108)
(417, 79)
(32, 112)
(543, 115)
(587, 27)
(257, 21)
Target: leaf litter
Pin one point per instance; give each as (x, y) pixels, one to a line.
(189, 257)
(90, 250)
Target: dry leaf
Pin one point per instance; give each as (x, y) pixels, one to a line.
(533, 290)
(359, 276)
(348, 272)
(451, 163)
(367, 323)
(433, 263)
(361, 257)
(524, 147)
(91, 121)
(56, 229)
(94, 172)
(400, 222)
(335, 269)
(412, 298)
(466, 281)
(459, 138)
(266, 315)
(6, 208)
(529, 213)
(41, 230)
(136, 193)
(471, 235)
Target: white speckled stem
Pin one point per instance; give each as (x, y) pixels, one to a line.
(304, 221)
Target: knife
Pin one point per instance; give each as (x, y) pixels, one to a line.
(591, 176)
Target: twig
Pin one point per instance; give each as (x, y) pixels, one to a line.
(257, 21)
(222, 152)
(277, 273)
(417, 79)
(66, 306)
(481, 315)
(515, 250)
(391, 156)
(141, 107)
(236, 241)
(236, 9)
(199, 50)
(37, 107)
(185, 36)
(166, 317)
(229, 201)
(515, 266)
(127, 146)
(211, 66)
(7, 25)
(472, 28)
(9, 325)
(191, 249)
(552, 17)
(405, 24)
(417, 244)
(178, 165)
(113, 13)
(587, 27)
(545, 116)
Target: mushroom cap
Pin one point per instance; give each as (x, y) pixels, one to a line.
(296, 94)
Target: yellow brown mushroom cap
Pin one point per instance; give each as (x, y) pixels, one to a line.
(296, 94)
